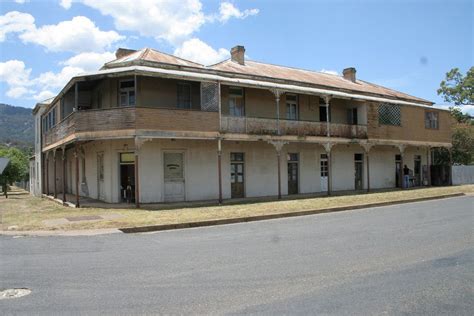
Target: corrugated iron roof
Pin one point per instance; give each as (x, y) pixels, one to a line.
(264, 71)
(154, 56)
(311, 77)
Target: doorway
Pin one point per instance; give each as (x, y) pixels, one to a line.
(323, 167)
(358, 171)
(127, 177)
(417, 170)
(293, 162)
(398, 170)
(174, 186)
(237, 175)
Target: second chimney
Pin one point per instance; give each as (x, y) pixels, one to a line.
(237, 54)
(349, 74)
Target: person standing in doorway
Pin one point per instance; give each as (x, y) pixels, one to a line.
(406, 176)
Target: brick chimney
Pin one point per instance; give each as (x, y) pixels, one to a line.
(349, 74)
(123, 52)
(237, 54)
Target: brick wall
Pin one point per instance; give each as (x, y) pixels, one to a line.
(412, 125)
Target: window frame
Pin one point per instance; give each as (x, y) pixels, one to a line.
(292, 104)
(184, 84)
(429, 121)
(127, 91)
(232, 109)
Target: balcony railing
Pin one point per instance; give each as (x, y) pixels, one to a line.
(132, 118)
(264, 126)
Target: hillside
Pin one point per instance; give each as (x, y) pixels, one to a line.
(16, 126)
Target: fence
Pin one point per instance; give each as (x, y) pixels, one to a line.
(463, 175)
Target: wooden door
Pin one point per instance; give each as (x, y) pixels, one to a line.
(237, 175)
(174, 176)
(417, 170)
(293, 173)
(398, 170)
(358, 171)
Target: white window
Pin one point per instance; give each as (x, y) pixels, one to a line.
(236, 101)
(291, 107)
(431, 120)
(127, 93)
(184, 96)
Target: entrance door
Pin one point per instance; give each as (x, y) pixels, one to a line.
(127, 177)
(100, 176)
(359, 166)
(417, 170)
(293, 173)
(398, 170)
(174, 176)
(237, 175)
(323, 162)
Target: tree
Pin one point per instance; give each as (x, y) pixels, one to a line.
(458, 89)
(16, 170)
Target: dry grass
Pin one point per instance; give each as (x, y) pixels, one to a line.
(28, 213)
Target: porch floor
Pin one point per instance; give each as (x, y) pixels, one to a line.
(87, 202)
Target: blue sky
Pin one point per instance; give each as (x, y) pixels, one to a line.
(404, 45)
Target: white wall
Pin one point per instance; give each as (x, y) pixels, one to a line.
(382, 167)
(201, 172)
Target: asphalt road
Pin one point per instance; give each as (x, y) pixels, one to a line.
(410, 259)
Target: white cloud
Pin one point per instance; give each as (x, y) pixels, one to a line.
(66, 4)
(198, 51)
(43, 95)
(89, 61)
(20, 83)
(52, 80)
(17, 78)
(15, 22)
(227, 10)
(17, 92)
(14, 73)
(331, 72)
(172, 21)
(77, 35)
(21, 1)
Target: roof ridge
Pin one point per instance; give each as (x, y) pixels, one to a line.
(296, 68)
(220, 62)
(145, 52)
(187, 60)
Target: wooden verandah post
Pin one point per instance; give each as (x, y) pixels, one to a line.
(64, 174)
(55, 192)
(47, 173)
(219, 167)
(76, 156)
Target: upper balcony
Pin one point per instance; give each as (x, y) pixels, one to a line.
(124, 107)
(258, 112)
(128, 121)
(264, 126)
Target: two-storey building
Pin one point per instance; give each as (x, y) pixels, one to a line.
(150, 127)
